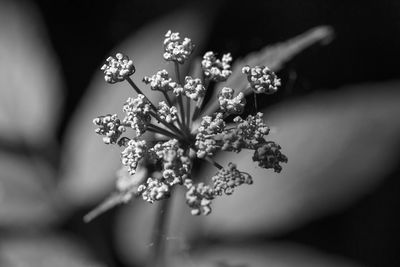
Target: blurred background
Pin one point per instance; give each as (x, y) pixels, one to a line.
(336, 118)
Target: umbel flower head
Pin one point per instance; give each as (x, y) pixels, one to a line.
(183, 134)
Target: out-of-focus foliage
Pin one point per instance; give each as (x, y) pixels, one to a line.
(30, 101)
(45, 251)
(30, 84)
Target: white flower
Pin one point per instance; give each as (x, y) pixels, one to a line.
(215, 69)
(118, 69)
(262, 80)
(230, 104)
(176, 49)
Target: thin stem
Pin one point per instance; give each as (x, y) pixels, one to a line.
(188, 100)
(156, 129)
(137, 89)
(199, 104)
(168, 125)
(159, 233)
(210, 160)
(255, 101)
(167, 98)
(180, 101)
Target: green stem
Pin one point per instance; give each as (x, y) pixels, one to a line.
(156, 129)
(210, 160)
(159, 235)
(199, 103)
(137, 89)
(188, 112)
(167, 98)
(255, 102)
(168, 125)
(180, 101)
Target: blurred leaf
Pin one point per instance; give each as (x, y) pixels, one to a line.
(89, 165)
(273, 56)
(340, 145)
(30, 95)
(26, 196)
(45, 251)
(276, 255)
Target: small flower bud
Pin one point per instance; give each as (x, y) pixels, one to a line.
(230, 104)
(161, 82)
(226, 180)
(262, 80)
(133, 153)
(198, 197)
(215, 69)
(154, 190)
(269, 156)
(193, 88)
(137, 114)
(118, 69)
(166, 113)
(109, 126)
(175, 49)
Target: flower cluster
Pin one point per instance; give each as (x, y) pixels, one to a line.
(182, 135)
(262, 80)
(215, 69)
(109, 126)
(118, 68)
(176, 49)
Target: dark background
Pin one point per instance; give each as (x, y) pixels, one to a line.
(365, 48)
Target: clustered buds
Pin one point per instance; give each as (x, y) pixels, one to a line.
(118, 69)
(226, 180)
(187, 140)
(137, 114)
(269, 155)
(176, 162)
(176, 49)
(198, 197)
(154, 189)
(262, 80)
(161, 82)
(215, 69)
(230, 104)
(133, 153)
(109, 126)
(168, 114)
(194, 88)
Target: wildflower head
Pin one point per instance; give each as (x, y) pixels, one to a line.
(110, 127)
(161, 82)
(227, 179)
(198, 197)
(137, 114)
(117, 69)
(262, 80)
(133, 153)
(269, 156)
(154, 189)
(193, 88)
(176, 49)
(184, 142)
(168, 114)
(215, 69)
(230, 104)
